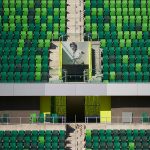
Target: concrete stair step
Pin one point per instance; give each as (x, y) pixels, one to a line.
(76, 138)
(54, 61)
(75, 24)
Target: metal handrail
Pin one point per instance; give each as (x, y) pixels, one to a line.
(29, 120)
(117, 119)
(84, 34)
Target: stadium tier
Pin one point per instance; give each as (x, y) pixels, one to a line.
(117, 139)
(29, 28)
(123, 30)
(26, 30)
(42, 140)
(79, 73)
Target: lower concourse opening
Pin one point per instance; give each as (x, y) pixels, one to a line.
(75, 108)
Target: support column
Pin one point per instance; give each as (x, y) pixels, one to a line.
(45, 104)
(105, 109)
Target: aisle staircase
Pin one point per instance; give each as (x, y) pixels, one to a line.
(75, 21)
(97, 61)
(75, 137)
(54, 61)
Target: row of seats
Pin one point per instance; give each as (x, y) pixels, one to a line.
(132, 35)
(41, 27)
(119, 22)
(11, 54)
(117, 3)
(126, 76)
(117, 139)
(31, 12)
(34, 3)
(35, 139)
(121, 31)
(109, 132)
(23, 20)
(117, 146)
(23, 133)
(128, 20)
(24, 68)
(37, 43)
(125, 59)
(32, 139)
(41, 118)
(22, 15)
(108, 51)
(124, 67)
(18, 59)
(25, 35)
(32, 146)
(125, 43)
(131, 32)
(24, 76)
(53, 28)
(117, 11)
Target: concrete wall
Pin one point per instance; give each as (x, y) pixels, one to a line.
(17, 107)
(134, 104)
(75, 89)
(14, 116)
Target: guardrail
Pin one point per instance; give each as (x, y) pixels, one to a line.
(118, 120)
(84, 77)
(32, 120)
(62, 120)
(86, 36)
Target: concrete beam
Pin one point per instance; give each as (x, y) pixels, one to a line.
(74, 89)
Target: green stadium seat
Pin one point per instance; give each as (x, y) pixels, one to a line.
(41, 116)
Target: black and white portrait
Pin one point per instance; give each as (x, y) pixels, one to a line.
(75, 53)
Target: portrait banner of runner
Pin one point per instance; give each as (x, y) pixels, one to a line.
(77, 54)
